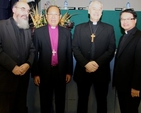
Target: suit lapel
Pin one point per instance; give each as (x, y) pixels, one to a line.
(99, 29)
(129, 38)
(60, 37)
(47, 39)
(47, 36)
(11, 33)
(89, 30)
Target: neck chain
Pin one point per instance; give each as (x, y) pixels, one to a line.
(92, 32)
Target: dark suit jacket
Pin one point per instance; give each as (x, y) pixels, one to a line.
(42, 43)
(9, 55)
(127, 69)
(104, 50)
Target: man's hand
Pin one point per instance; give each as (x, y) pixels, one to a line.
(68, 78)
(16, 70)
(36, 80)
(135, 93)
(91, 66)
(23, 68)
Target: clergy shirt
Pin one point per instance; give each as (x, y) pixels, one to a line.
(53, 32)
(94, 27)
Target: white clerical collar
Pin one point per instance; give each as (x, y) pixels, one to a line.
(126, 32)
(94, 23)
(52, 27)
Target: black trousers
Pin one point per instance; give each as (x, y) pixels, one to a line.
(128, 104)
(15, 102)
(53, 87)
(101, 91)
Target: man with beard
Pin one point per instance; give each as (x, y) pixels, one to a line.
(16, 58)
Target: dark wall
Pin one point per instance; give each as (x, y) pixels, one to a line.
(6, 8)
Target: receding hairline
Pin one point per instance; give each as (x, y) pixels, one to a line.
(96, 1)
(20, 2)
(53, 6)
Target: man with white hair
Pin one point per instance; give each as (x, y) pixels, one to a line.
(93, 47)
(16, 57)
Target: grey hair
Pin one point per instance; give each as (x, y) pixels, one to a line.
(96, 1)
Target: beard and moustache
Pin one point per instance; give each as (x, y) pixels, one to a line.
(22, 23)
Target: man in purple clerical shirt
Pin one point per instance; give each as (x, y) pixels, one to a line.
(53, 65)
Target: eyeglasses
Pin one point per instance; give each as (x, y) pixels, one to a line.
(127, 19)
(50, 14)
(23, 9)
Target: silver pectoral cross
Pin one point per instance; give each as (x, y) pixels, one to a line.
(53, 52)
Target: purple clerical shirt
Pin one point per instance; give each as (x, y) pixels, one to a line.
(53, 32)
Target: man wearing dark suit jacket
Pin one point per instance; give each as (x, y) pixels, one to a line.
(6, 8)
(16, 57)
(53, 63)
(93, 47)
(127, 69)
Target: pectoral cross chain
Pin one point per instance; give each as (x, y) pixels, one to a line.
(92, 37)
